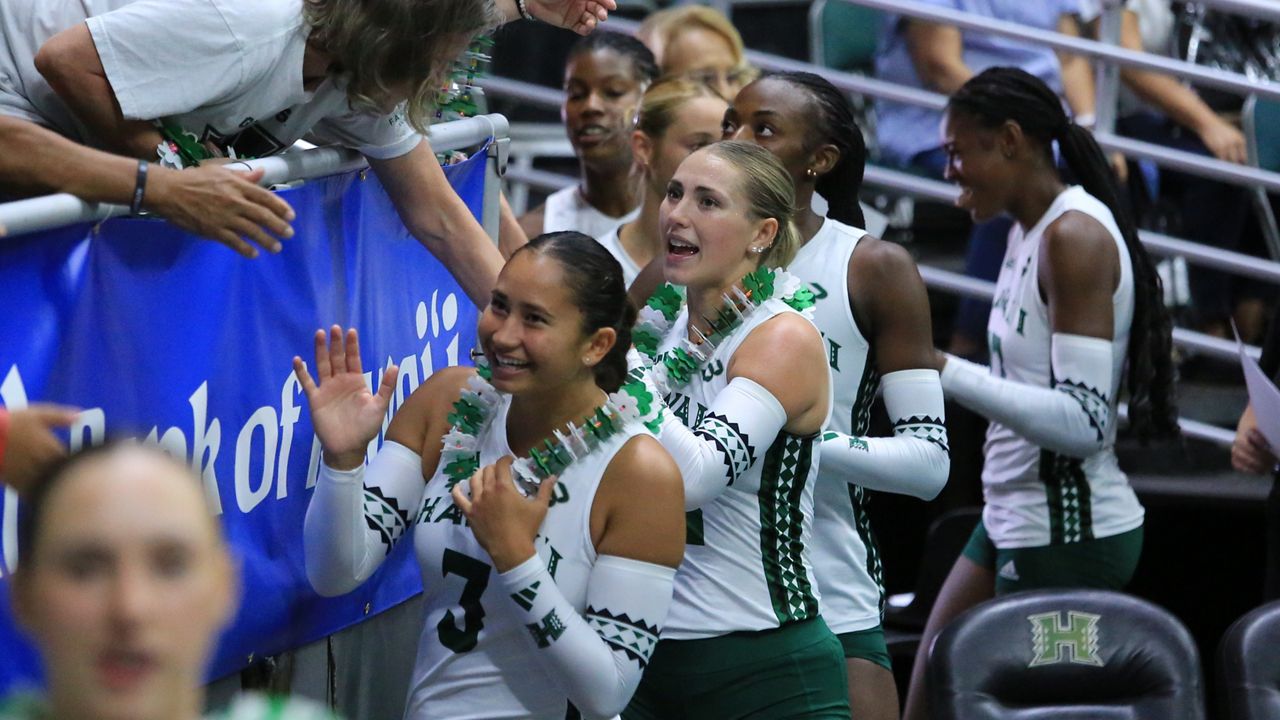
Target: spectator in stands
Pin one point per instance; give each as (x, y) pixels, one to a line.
(604, 79)
(1078, 314)
(589, 578)
(124, 583)
(222, 205)
(676, 118)
(1251, 453)
(178, 81)
(698, 43)
(873, 312)
(27, 442)
(931, 56)
(1158, 108)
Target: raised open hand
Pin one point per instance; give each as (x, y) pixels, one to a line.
(345, 414)
(580, 16)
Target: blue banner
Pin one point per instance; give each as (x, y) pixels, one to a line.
(163, 335)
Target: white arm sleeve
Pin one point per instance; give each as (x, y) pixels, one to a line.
(742, 421)
(1072, 417)
(916, 460)
(357, 516)
(596, 658)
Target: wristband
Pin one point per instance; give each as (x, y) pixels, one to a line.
(524, 10)
(139, 188)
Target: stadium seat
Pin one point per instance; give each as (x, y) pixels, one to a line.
(1065, 655)
(843, 36)
(1249, 666)
(1261, 120)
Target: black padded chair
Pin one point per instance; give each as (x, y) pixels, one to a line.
(1065, 655)
(1249, 666)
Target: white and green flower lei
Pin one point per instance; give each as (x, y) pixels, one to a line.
(633, 402)
(675, 367)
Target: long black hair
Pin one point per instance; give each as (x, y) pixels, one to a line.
(834, 123)
(1001, 94)
(594, 279)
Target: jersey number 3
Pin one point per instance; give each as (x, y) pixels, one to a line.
(476, 574)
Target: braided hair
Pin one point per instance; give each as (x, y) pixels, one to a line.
(643, 64)
(1001, 94)
(834, 123)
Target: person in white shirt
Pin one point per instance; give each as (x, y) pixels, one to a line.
(1078, 314)
(873, 312)
(676, 118)
(182, 80)
(545, 607)
(604, 78)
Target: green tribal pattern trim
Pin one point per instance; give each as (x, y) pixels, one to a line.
(784, 474)
(1068, 494)
(862, 523)
(868, 384)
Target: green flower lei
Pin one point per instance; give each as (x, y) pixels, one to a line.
(633, 402)
(675, 367)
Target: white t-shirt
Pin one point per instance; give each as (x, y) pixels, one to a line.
(229, 71)
(612, 243)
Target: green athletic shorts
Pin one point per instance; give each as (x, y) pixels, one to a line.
(795, 671)
(1105, 563)
(867, 645)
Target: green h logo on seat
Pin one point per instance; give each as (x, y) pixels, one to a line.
(1054, 642)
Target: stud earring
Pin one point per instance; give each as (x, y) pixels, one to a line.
(810, 173)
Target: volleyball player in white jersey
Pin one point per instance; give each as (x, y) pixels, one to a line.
(744, 639)
(873, 312)
(1078, 313)
(676, 118)
(530, 612)
(606, 74)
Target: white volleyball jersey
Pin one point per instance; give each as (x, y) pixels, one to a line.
(1035, 497)
(845, 556)
(746, 561)
(474, 657)
(566, 209)
(613, 244)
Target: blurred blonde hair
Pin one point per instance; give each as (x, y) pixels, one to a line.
(385, 45)
(660, 28)
(662, 102)
(770, 194)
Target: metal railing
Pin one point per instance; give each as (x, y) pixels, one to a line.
(1156, 243)
(1166, 157)
(52, 211)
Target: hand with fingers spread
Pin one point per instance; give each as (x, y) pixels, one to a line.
(223, 204)
(504, 521)
(345, 414)
(580, 16)
(1250, 453)
(31, 445)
